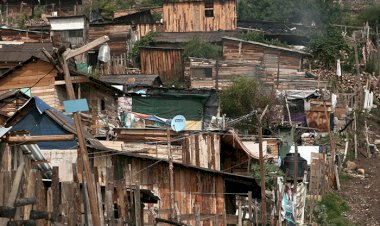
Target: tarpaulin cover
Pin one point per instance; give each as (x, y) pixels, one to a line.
(192, 106)
(37, 122)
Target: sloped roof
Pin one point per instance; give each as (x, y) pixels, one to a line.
(180, 37)
(23, 52)
(268, 46)
(65, 122)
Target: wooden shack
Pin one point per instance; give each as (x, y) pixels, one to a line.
(42, 80)
(205, 73)
(199, 15)
(208, 192)
(71, 29)
(166, 62)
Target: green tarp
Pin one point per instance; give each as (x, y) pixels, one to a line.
(167, 106)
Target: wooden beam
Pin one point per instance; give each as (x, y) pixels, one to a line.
(69, 53)
(74, 79)
(44, 138)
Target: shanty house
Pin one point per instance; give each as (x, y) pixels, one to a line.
(41, 79)
(278, 66)
(71, 29)
(199, 15)
(13, 53)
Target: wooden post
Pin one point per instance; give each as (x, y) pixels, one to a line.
(30, 192)
(137, 204)
(367, 139)
(197, 215)
(355, 137)
(262, 174)
(14, 191)
(378, 48)
(256, 214)
(250, 207)
(240, 212)
(217, 75)
(82, 146)
(172, 201)
(357, 80)
(278, 70)
(131, 203)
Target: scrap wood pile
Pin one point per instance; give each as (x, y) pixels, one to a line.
(346, 82)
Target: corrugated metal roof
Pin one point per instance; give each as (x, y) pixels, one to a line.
(180, 37)
(4, 130)
(23, 52)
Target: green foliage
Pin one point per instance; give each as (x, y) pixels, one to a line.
(259, 37)
(296, 11)
(244, 96)
(370, 14)
(21, 21)
(150, 3)
(198, 48)
(327, 46)
(147, 40)
(270, 170)
(329, 211)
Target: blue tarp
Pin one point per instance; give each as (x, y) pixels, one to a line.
(37, 122)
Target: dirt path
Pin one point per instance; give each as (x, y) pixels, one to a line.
(363, 195)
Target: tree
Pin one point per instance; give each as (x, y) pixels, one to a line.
(244, 96)
(326, 46)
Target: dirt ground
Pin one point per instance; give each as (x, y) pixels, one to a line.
(363, 194)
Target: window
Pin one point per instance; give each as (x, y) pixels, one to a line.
(75, 33)
(201, 72)
(209, 9)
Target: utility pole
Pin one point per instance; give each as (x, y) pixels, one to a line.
(262, 175)
(378, 48)
(81, 140)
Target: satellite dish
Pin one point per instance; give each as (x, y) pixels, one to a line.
(178, 123)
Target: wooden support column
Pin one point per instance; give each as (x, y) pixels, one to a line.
(172, 201)
(137, 205)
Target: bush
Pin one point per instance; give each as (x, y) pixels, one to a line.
(259, 37)
(327, 46)
(198, 48)
(269, 171)
(330, 209)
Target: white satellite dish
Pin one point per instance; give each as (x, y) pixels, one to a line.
(178, 123)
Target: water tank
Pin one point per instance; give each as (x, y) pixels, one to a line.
(288, 164)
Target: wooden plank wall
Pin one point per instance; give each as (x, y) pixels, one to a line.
(165, 62)
(289, 62)
(190, 16)
(192, 187)
(202, 150)
(228, 70)
(39, 74)
(144, 29)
